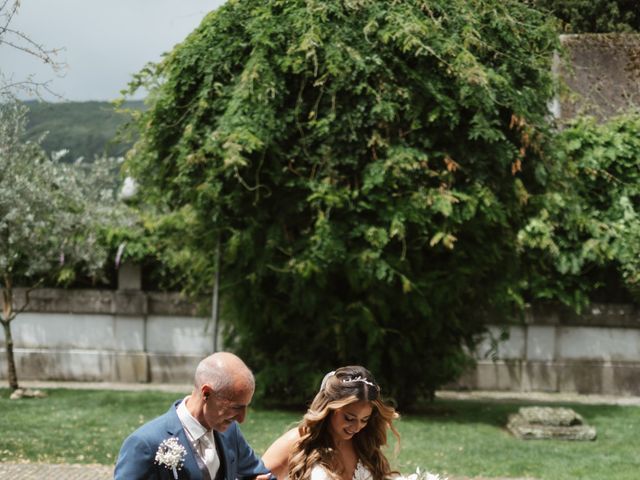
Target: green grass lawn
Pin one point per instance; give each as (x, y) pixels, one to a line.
(453, 437)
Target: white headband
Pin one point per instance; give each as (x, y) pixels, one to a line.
(359, 379)
(346, 380)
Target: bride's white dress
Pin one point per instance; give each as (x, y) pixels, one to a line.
(360, 473)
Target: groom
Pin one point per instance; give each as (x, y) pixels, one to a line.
(206, 443)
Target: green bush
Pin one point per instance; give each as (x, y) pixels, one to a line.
(587, 230)
(366, 168)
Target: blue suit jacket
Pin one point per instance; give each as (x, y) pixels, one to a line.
(136, 460)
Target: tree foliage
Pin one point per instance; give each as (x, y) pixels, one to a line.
(588, 217)
(366, 166)
(594, 16)
(51, 215)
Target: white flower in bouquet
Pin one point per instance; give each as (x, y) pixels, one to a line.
(171, 454)
(421, 476)
(433, 476)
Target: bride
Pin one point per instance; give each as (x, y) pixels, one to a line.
(341, 435)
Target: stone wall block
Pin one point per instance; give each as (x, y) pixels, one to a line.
(494, 375)
(541, 342)
(131, 367)
(129, 333)
(123, 302)
(598, 343)
(129, 276)
(129, 303)
(542, 376)
(176, 304)
(625, 378)
(581, 377)
(172, 368)
(603, 74)
(513, 348)
(179, 335)
(63, 331)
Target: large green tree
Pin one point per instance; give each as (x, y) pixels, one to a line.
(365, 166)
(51, 215)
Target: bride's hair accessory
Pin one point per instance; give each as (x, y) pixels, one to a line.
(359, 379)
(347, 379)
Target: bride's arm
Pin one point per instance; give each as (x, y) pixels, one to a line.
(276, 458)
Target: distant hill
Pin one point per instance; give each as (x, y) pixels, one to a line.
(86, 129)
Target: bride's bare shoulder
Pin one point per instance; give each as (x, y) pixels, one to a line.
(277, 455)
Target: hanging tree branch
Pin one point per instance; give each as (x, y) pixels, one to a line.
(18, 40)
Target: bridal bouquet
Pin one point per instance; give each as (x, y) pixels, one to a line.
(171, 455)
(421, 476)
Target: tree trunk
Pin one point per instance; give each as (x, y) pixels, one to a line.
(215, 306)
(7, 315)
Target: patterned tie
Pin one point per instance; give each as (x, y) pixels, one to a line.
(209, 454)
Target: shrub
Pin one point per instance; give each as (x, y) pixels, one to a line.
(365, 167)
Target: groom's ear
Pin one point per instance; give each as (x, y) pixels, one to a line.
(206, 391)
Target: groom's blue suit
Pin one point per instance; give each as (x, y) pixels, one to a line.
(137, 455)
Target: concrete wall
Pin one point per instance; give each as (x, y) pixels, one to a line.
(131, 336)
(601, 73)
(93, 335)
(555, 350)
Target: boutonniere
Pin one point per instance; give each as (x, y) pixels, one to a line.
(171, 455)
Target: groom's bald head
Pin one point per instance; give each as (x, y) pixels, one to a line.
(224, 371)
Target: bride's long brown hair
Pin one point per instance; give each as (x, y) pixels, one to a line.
(316, 446)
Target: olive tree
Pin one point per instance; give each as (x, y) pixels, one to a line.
(50, 216)
(365, 167)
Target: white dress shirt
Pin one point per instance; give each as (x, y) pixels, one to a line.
(201, 439)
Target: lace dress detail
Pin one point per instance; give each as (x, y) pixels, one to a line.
(360, 473)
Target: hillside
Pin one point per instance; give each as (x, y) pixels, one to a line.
(86, 129)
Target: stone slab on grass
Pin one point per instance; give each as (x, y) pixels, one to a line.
(548, 423)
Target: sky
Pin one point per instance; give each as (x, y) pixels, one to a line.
(103, 42)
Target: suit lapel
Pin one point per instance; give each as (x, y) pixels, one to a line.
(227, 458)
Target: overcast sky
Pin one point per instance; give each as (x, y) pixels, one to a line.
(104, 41)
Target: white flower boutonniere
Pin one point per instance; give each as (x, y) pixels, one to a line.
(171, 455)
